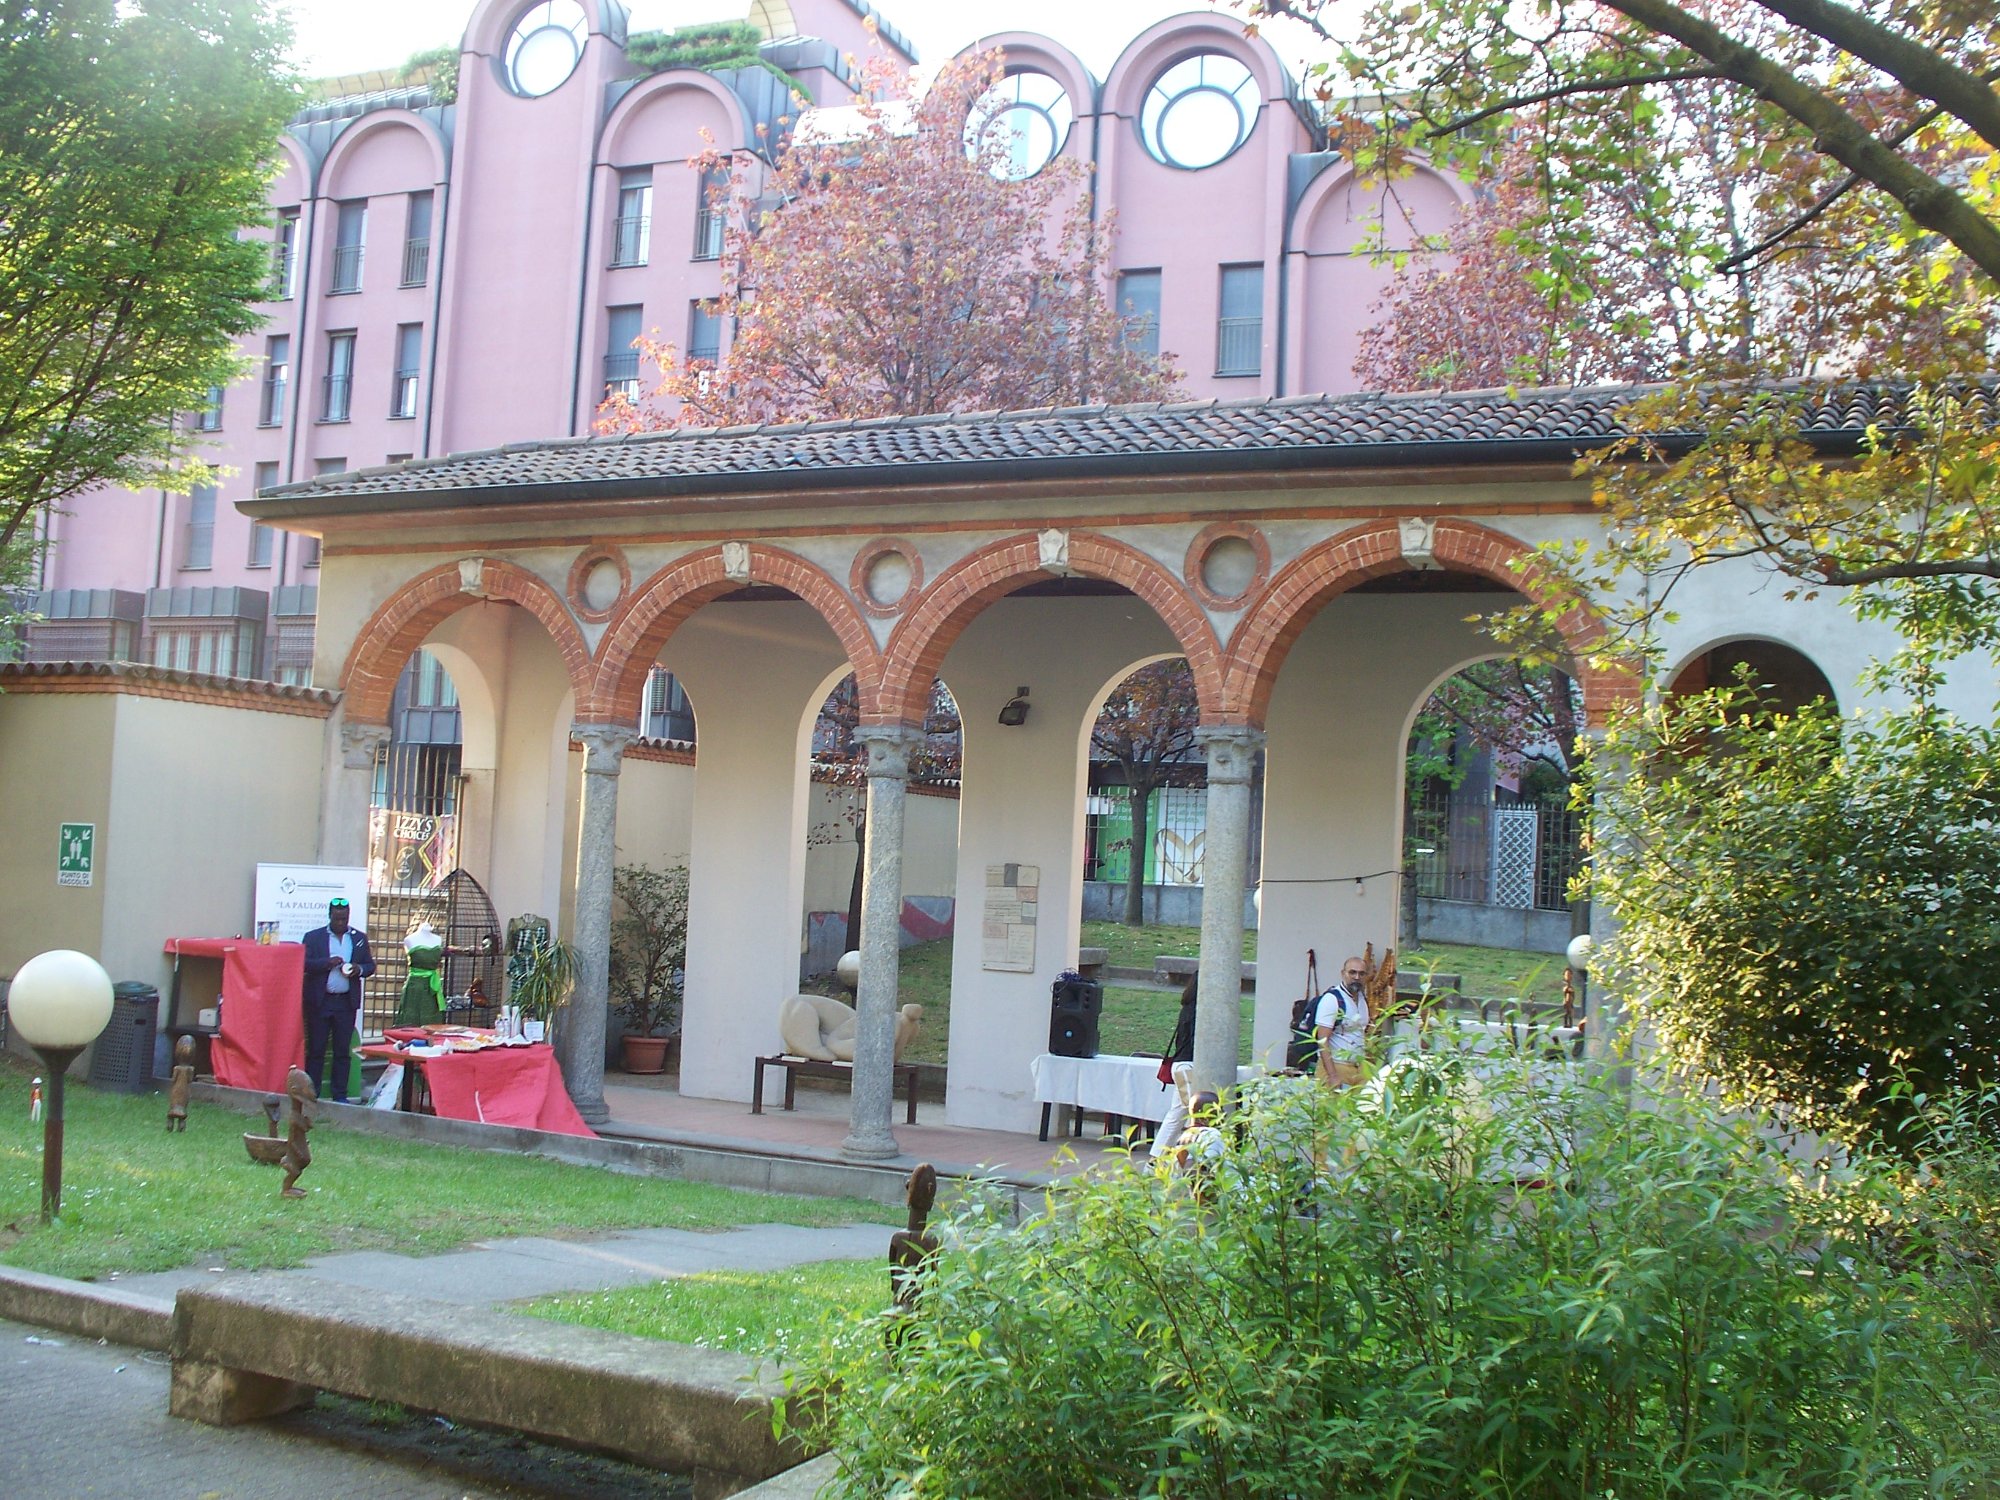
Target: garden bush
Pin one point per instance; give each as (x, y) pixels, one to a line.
(1493, 1287)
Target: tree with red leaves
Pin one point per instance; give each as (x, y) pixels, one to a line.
(1147, 727)
(902, 272)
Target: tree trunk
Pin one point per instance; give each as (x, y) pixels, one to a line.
(853, 938)
(1140, 797)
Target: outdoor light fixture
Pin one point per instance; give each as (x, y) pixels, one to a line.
(59, 1002)
(1015, 714)
(1580, 948)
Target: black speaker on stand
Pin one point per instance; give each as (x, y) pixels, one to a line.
(1074, 1006)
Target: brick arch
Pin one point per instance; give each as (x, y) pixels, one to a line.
(921, 642)
(1302, 588)
(649, 617)
(406, 619)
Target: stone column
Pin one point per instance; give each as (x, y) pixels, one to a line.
(869, 1137)
(349, 789)
(580, 1028)
(1232, 753)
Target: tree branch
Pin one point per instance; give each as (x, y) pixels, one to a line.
(1567, 90)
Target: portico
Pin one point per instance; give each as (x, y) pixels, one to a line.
(1313, 559)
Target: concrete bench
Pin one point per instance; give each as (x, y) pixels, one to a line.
(255, 1346)
(1172, 968)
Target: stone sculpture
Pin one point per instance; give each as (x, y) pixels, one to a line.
(183, 1084)
(822, 1028)
(298, 1155)
(911, 1249)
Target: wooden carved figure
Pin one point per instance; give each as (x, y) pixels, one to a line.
(272, 1104)
(912, 1248)
(298, 1155)
(177, 1092)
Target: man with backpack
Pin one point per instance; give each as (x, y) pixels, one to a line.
(1340, 1027)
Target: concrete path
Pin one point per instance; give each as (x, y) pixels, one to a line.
(506, 1270)
(86, 1419)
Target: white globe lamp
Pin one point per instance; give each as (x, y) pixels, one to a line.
(848, 970)
(1581, 947)
(59, 1002)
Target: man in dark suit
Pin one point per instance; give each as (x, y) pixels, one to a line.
(337, 960)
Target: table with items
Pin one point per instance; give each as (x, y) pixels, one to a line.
(465, 1073)
(1121, 1088)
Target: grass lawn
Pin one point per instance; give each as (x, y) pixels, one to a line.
(138, 1199)
(1490, 973)
(749, 1311)
(1137, 947)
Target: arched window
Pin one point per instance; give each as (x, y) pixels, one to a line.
(545, 46)
(1023, 120)
(1200, 110)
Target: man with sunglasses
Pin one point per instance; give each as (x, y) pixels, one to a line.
(337, 960)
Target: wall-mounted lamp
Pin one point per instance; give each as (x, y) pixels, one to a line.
(1015, 713)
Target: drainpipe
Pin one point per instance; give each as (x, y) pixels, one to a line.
(443, 217)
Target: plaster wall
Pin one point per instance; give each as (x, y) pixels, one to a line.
(187, 799)
(532, 781)
(655, 813)
(1023, 803)
(930, 847)
(756, 674)
(1333, 784)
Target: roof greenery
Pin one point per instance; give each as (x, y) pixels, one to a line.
(438, 67)
(711, 47)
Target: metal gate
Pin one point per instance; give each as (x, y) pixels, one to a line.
(412, 851)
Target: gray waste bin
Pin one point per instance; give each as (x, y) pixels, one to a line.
(123, 1058)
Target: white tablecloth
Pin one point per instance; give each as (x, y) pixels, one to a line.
(1124, 1086)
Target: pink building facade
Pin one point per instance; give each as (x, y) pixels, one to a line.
(458, 274)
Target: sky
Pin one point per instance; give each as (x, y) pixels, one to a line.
(354, 36)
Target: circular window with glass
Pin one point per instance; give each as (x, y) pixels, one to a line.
(1200, 110)
(545, 46)
(1022, 121)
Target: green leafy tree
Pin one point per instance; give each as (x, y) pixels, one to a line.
(135, 142)
(1808, 916)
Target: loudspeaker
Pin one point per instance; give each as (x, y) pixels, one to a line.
(1074, 1008)
(1073, 1033)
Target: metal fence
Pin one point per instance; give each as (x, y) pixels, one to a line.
(1496, 849)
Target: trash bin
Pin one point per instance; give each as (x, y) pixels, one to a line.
(123, 1058)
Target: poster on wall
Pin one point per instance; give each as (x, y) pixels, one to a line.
(291, 900)
(411, 851)
(1013, 896)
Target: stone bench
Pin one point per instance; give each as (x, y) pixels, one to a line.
(255, 1346)
(1171, 968)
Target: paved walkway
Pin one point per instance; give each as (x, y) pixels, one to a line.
(88, 1419)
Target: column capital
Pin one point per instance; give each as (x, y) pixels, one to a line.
(889, 747)
(603, 745)
(360, 744)
(1231, 750)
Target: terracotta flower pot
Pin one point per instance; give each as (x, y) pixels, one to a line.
(644, 1054)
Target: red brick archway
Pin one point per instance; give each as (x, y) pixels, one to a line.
(640, 630)
(1371, 550)
(407, 618)
(925, 637)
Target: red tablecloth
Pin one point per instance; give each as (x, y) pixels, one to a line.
(263, 1028)
(500, 1086)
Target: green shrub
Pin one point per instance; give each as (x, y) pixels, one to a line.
(1493, 1289)
(1807, 904)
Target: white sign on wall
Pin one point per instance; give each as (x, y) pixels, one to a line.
(291, 900)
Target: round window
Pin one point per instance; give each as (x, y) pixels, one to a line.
(1022, 121)
(1200, 110)
(545, 46)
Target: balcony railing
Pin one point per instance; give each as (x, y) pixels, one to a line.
(346, 269)
(272, 411)
(281, 273)
(628, 239)
(707, 234)
(416, 262)
(339, 391)
(404, 400)
(621, 375)
(1239, 346)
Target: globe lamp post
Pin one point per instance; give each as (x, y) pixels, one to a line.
(59, 1002)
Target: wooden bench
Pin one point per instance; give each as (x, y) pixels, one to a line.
(809, 1067)
(255, 1346)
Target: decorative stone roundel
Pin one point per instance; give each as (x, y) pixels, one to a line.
(598, 579)
(1227, 563)
(887, 575)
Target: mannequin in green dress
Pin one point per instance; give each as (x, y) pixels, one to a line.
(423, 992)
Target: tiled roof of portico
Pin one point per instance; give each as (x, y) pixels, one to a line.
(1288, 434)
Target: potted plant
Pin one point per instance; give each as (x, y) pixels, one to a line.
(648, 952)
(541, 973)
